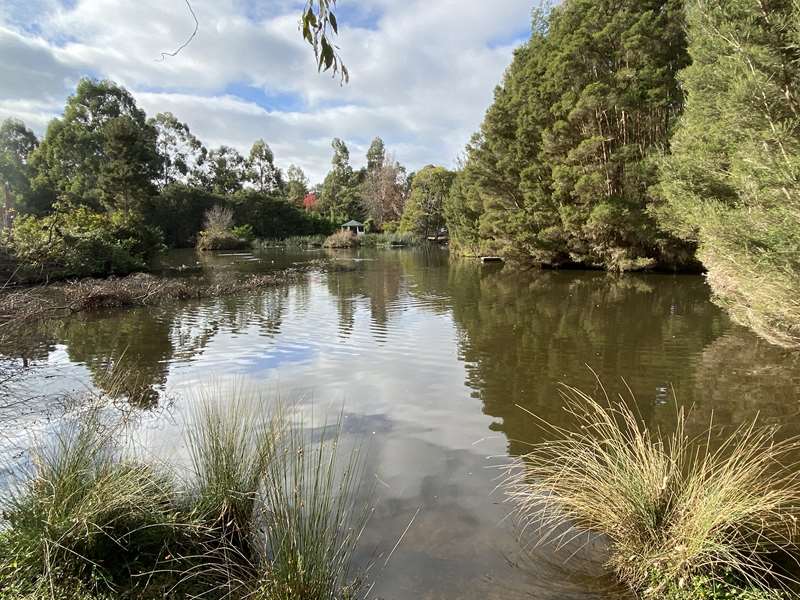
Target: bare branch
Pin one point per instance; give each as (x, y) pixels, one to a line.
(175, 52)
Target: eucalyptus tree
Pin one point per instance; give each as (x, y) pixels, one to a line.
(101, 153)
(340, 196)
(17, 142)
(261, 170)
(296, 185)
(180, 152)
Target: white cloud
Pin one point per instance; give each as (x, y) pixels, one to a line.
(423, 71)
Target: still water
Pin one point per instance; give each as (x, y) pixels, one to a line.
(433, 363)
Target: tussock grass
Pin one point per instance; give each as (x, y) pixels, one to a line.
(231, 446)
(676, 509)
(84, 513)
(341, 239)
(312, 519)
(266, 512)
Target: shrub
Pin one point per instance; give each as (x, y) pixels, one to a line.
(220, 240)
(272, 217)
(390, 226)
(179, 211)
(82, 243)
(218, 233)
(244, 232)
(674, 508)
(341, 239)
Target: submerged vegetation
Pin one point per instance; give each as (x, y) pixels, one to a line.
(686, 516)
(140, 289)
(265, 512)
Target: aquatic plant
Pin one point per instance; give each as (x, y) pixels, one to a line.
(301, 241)
(389, 239)
(312, 520)
(266, 512)
(83, 513)
(341, 239)
(674, 507)
(231, 444)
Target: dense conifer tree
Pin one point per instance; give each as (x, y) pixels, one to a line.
(732, 182)
(562, 168)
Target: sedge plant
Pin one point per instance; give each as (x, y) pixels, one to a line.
(680, 512)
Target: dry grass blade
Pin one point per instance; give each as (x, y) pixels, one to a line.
(674, 507)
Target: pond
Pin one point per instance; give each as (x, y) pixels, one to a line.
(433, 363)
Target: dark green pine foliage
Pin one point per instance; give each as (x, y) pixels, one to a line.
(732, 182)
(562, 169)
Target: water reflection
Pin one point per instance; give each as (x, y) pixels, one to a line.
(433, 359)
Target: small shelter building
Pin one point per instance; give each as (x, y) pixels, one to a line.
(354, 227)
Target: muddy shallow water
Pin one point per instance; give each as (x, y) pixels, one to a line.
(430, 361)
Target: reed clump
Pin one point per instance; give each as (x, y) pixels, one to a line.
(342, 239)
(263, 512)
(84, 516)
(686, 517)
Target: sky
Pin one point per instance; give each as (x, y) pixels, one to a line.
(423, 72)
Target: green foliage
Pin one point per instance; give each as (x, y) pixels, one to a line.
(388, 239)
(296, 185)
(224, 171)
(261, 169)
(732, 182)
(101, 153)
(179, 211)
(83, 243)
(180, 153)
(272, 217)
(17, 143)
(340, 197)
(424, 211)
(312, 518)
(84, 515)
(318, 24)
(267, 512)
(244, 232)
(231, 445)
(702, 587)
(462, 211)
(561, 170)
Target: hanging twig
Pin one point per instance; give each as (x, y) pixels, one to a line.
(175, 52)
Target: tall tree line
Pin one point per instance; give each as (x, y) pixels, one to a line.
(628, 135)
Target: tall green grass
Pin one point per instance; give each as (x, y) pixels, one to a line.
(84, 513)
(231, 444)
(677, 510)
(264, 512)
(312, 519)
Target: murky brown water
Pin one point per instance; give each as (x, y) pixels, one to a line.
(431, 361)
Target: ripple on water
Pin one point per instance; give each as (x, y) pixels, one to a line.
(431, 361)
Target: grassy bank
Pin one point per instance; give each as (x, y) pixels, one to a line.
(344, 239)
(261, 512)
(686, 517)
